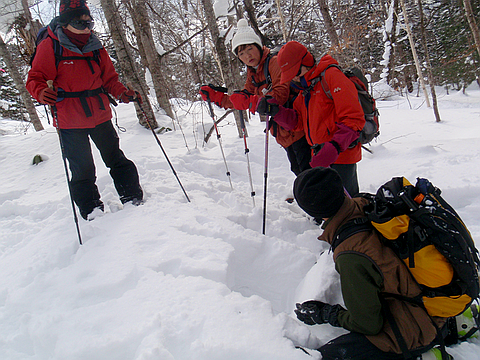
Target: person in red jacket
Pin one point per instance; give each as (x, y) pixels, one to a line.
(82, 74)
(330, 125)
(247, 46)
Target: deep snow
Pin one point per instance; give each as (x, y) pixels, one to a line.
(176, 280)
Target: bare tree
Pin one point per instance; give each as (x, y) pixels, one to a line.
(414, 52)
(126, 60)
(250, 9)
(431, 79)
(20, 85)
(221, 50)
(141, 20)
(473, 26)
(330, 27)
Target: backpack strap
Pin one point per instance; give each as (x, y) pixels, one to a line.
(58, 51)
(266, 73)
(324, 84)
(351, 228)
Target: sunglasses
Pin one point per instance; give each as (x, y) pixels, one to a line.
(82, 24)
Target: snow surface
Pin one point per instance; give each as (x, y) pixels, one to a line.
(177, 280)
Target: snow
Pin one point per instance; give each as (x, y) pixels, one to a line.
(176, 280)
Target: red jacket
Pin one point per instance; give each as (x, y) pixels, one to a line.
(280, 92)
(75, 76)
(320, 120)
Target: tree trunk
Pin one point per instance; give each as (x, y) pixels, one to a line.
(221, 50)
(414, 53)
(431, 79)
(20, 85)
(392, 39)
(127, 62)
(250, 9)
(330, 27)
(282, 21)
(29, 33)
(471, 21)
(140, 17)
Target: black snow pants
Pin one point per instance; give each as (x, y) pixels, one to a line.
(299, 154)
(79, 155)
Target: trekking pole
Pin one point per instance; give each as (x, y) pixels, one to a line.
(265, 175)
(161, 147)
(212, 114)
(62, 149)
(247, 150)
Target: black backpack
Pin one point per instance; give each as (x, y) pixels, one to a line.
(427, 234)
(430, 237)
(371, 129)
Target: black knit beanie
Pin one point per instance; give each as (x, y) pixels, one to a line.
(319, 192)
(70, 9)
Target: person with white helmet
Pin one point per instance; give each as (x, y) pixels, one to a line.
(248, 47)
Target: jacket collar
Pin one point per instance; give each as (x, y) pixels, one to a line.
(351, 208)
(56, 32)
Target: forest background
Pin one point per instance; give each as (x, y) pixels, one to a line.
(169, 48)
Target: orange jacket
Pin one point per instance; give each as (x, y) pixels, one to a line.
(320, 120)
(280, 92)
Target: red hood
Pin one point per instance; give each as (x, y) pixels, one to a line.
(325, 61)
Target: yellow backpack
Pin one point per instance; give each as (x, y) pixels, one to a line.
(432, 240)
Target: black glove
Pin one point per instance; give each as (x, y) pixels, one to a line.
(268, 106)
(316, 312)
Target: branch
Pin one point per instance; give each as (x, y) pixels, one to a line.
(207, 137)
(183, 42)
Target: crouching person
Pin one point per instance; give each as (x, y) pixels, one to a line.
(372, 280)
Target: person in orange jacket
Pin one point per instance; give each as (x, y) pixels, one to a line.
(247, 46)
(82, 75)
(330, 125)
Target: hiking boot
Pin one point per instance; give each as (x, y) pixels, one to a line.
(467, 323)
(434, 354)
(135, 200)
(97, 208)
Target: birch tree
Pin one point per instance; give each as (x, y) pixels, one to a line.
(126, 60)
(20, 85)
(431, 79)
(221, 51)
(141, 20)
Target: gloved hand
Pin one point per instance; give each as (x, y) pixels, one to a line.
(243, 100)
(316, 312)
(286, 118)
(209, 93)
(268, 106)
(130, 95)
(326, 156)
(48, 96)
